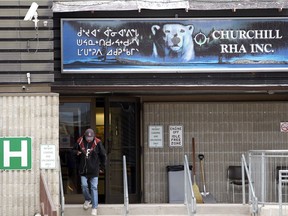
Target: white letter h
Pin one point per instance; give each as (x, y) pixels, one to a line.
(22, 154)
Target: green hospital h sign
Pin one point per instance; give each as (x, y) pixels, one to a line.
(15, 153)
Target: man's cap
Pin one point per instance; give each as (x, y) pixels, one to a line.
(89, 133)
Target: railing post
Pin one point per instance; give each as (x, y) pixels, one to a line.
(125, 187)
(185, 182)
(263, 173)
(280, 192)
(243, 182)
(254, 198)
(250, 168)
(189, 195)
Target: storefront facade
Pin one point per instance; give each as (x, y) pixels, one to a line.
(227, 111)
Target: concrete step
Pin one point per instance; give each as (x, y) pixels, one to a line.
(103, 209)
(222, 209)
(134, 209)
(269, 210)
(161, 210)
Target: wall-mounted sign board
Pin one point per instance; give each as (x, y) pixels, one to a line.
(48, 156)
(176, 135)
(155, 136)
(15, 153)
(174, 45)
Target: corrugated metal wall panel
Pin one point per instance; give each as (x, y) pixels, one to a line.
(22, 47)
(26, 56)
(24, 2)
(35, 116)
(222, 131)
(21, 12)
(26, 34)
(17, 23)
(27, 67)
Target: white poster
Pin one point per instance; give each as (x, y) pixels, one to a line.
(48, 157)
(175, 135)
(155, 136)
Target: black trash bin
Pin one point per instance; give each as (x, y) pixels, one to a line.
(176, 183)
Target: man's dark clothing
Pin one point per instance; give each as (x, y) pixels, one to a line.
(90, 160)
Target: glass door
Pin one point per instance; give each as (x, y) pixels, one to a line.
(74, 119)
(122, 119)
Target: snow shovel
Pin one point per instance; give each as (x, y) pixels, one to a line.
(206, 196)
(195, 187)
(201, 158)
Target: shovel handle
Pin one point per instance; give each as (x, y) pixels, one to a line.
(193, 156)
(201, 158)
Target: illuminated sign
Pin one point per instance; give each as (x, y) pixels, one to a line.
(174, 45)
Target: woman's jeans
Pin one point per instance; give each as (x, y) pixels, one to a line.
(93, 197)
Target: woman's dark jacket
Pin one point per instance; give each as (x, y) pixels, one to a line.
(89, 164)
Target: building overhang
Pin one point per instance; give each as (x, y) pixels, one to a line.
(170, 89)
(122, 5)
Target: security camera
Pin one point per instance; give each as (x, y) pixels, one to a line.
(32, 13)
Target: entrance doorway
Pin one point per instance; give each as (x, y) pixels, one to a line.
(123, 139)
(116, 122)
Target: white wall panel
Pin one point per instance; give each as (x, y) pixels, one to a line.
(35, 116)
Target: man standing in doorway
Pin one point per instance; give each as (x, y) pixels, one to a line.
(92, 159)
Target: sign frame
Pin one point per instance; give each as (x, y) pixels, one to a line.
(238, 65)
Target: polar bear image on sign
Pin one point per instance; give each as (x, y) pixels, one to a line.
(178, 41)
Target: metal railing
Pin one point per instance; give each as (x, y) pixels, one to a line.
(62, 198)
(252, 197)
(283, 174)
(190, 200)
(125, 187)
(264, 168)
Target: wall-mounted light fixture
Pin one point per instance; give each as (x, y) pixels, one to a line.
(28, 78)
